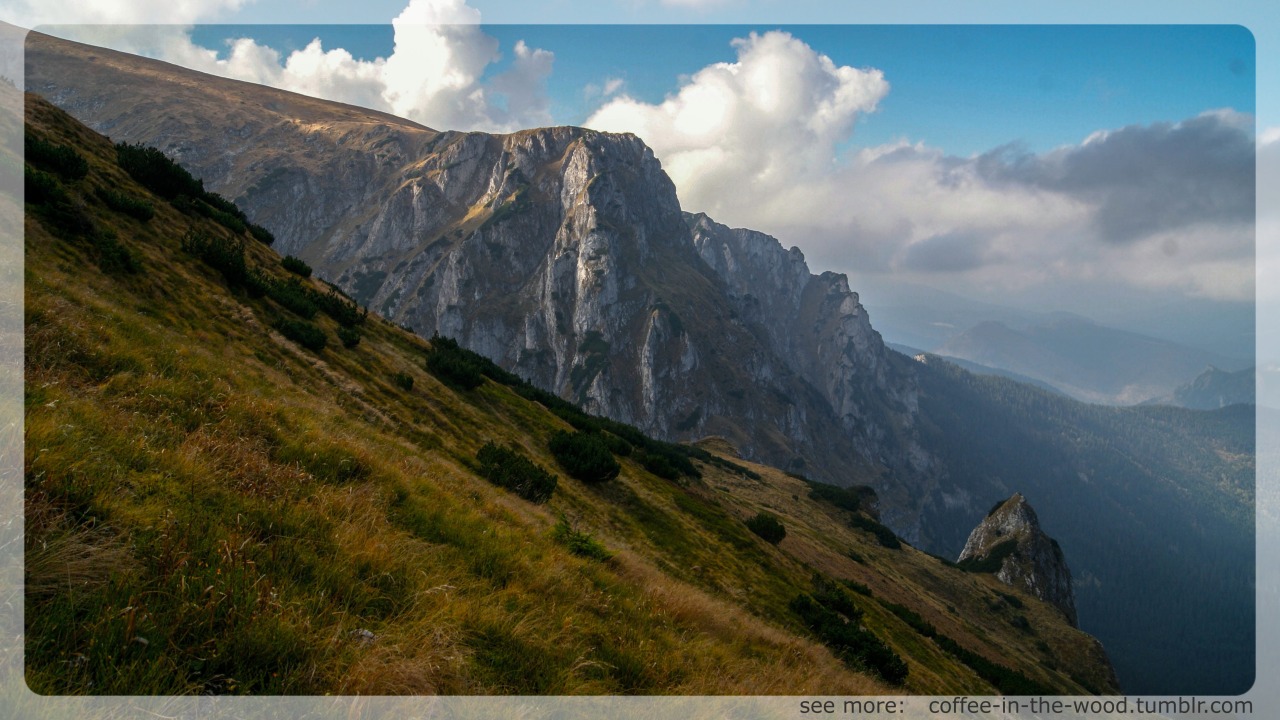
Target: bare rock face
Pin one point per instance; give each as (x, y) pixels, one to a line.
(560, 253)
(1027, 557)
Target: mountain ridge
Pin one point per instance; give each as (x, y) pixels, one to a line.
(674, 348)
(217, 504)
(577, 240)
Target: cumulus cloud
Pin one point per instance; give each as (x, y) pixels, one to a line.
(1147, 179)
(434, 75)
(760, 143)
(765, 120)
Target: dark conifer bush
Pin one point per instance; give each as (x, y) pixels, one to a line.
(508, 468)
(294, 296)
(156, 172)
(261, 234)
(768, 527)
(222, 254)
(351, 338)
(855, 645)
(135, 207)
(584, 455)
(884, 535)
(304, 333)
(578, 542)
(296, 266)
(60, 159)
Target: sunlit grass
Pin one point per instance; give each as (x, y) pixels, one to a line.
(212, 508)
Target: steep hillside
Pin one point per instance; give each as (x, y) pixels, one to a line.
(1153, 507)
(561, 253)
(237, 482)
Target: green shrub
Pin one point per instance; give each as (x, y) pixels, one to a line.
(156, 172)
(857, 587)
(848, 640)
(579, 543)
(845, 498)
(222, 254)
(225, 219)
(261, 234)
(135, 207)
(768, 527)
(59, 159)
(337, 306)
(912, 618)
(256, 284)
(42, 188)
(404, 381)
(296, 266)
(223, 205)
(453, 365)
(1005, 680)
(112, 256)
(65, 218)
(884, 535)
(351, 338)
(508, 468)
(304, 333)
(617, 445)
(294, 296)
(584, 455)
(659, 465)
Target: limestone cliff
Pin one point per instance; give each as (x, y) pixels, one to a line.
(1010, 540)
(561, 253)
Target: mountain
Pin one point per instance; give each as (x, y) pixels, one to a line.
(925, 317)
(562, 255)
(1010, 541)
(237, 482)
(1152, 505)
(1087, 361)
(1213, 389)
(976, 368)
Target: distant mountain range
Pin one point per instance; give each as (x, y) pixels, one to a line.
(563, 255)
(1137, 355)
(1084, 360)
(1213, 389)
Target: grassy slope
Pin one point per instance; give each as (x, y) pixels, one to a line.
(212, 508)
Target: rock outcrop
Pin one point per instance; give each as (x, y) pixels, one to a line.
(560, 253)
(1011, 542)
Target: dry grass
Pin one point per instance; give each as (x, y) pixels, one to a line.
(273, 520)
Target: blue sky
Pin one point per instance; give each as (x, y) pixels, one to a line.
(966, 89)
(1080, 157)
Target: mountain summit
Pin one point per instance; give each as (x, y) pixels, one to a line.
(1010, 542)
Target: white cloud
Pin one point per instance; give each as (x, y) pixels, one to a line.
(765, 121)
(758, 143)
(434, 74)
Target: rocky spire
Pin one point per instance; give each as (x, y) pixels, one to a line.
(1010, 542)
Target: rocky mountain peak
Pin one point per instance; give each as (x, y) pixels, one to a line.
(1009, 540)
